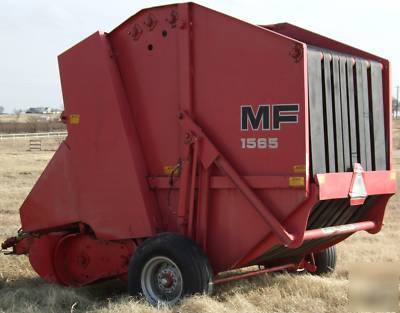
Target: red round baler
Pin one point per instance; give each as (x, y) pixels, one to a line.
(198, 143)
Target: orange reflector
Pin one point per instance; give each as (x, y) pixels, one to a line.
(74, 118)
(393, 175)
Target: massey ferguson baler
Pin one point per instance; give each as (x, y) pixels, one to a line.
(198, 143)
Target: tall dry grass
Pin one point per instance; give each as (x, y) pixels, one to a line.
(22, 291)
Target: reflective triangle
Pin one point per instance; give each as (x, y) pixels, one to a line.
(358, 192)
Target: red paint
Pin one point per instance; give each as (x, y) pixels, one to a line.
(82, 259)
(137, 100)
(337, 185)
(41, 256)
(254, 273)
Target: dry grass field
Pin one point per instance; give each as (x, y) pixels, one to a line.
(22, 291)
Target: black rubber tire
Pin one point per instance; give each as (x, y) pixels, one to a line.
(193, 264)
(325, 261)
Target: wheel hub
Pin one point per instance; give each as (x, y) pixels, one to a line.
(162, 281)
(167, 280)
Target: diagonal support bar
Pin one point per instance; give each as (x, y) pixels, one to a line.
(210, 154)
(251, 196)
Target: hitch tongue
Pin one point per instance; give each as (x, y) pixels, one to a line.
(10, 242)
(19, 244)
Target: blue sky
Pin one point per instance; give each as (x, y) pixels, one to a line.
(33, 33)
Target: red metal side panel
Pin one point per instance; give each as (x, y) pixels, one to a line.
(148, 61)
(101, 180)
(51, 202)
(236, 64)
(148, 64)
(187, 57)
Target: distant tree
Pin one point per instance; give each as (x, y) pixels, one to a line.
(1, 109)
(17, 112)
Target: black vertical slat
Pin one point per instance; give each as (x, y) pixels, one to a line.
(316, 112)
(352, 112)
(345, 115)
(363, 209)
(338, 114)
(347, 214)
(334, 207)
(316, 214)
(365, 101)
(378, 124)
(360, 113)
(340, 210)
(330, 144)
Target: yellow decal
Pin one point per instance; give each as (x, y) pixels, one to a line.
(393, 175)
(321, 179)
(171, 170)
(296, 181)
(299, 169)
(74, 118)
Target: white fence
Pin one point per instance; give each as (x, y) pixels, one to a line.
(32, 135)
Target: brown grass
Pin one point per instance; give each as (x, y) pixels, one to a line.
(22, 291)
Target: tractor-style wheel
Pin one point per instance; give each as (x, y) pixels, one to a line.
(167, 267)
(325, 261)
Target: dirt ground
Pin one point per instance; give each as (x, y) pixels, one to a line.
(21, 290)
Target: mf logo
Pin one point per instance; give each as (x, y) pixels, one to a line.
(268, 117)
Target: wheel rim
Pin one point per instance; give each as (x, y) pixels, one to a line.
(162, 281)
